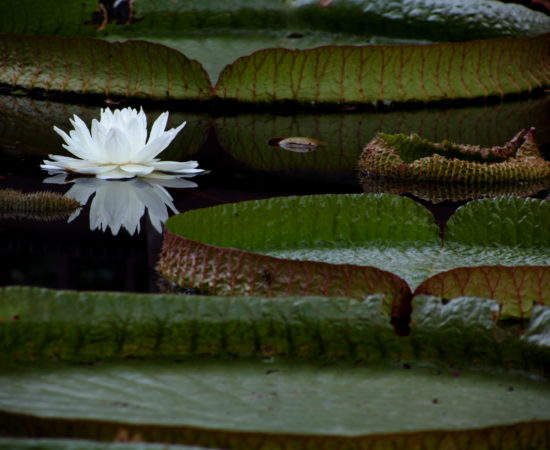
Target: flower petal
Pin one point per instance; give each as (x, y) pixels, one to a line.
(99, 133)
(114, 174)
(178, 167)
(158, 126)
(107, 118)
(136, 135)
(117, 147)
(137, 169)
(88, 148)
(72, 146)
(157, 145)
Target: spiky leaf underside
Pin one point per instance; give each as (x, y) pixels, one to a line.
(335, 245)
(413, 158)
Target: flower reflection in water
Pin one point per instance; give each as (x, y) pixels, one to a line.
(121, 204)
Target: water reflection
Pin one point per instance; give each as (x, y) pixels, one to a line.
(120, 204)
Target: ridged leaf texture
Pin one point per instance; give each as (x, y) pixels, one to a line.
(320, 244)
(333, 74)
(372, 74)
(419, 19)
(92, 66)
(119, 369)
(414, 158)
(205, 257)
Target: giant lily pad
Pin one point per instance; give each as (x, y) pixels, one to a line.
(420, 19)
(92, 66)
(413, 158)
(123, 371)
(333, 74)
(352, 245)
(386, 74)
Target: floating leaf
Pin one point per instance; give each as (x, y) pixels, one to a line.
(386, 74)
(331, 74)
(419, 19)
(91, 66)
(279, 401)
(330, 245)
(516, 288)
(512, 222)
(413, 158)
(194, 253)
(35, 205)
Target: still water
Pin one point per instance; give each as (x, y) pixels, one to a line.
(66, 253)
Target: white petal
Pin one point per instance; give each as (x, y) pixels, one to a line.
(117, 147)
(137, 169)
(71, 145)
(158, 126)
(97, 170)
(88, 147)
(178, 167)
(142, 117)
(99, 133)
(64, 135)
(155, 146)
(114, 174)
(136, 135)
(106, 118)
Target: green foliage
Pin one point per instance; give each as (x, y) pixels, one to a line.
(92, 66)
(155, 368)
(450, 20)
(337, 244)
(509, 222)
(413, 158)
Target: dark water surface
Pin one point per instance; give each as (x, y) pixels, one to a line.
(58, 254)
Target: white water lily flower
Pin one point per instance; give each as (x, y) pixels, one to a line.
(117, 147)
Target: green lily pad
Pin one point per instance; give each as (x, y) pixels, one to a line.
(413, 158)
(387, 74)
(337, 245)
(421, 19)
(93, 66)
(444, 383)
(328, 74)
